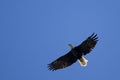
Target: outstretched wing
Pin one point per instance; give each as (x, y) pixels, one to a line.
(86, 46)
(63, 61)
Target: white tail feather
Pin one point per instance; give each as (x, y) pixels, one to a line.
(83, 61)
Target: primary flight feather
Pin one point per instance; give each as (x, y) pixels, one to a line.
(76, 53)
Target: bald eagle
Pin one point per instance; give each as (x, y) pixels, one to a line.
(76, 53)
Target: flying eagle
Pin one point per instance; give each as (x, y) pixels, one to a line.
(76, 53)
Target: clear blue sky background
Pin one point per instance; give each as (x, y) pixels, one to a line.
(33, 33)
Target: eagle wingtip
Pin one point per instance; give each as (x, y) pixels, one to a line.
(50, 67)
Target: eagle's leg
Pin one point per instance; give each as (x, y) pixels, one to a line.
(71, 46)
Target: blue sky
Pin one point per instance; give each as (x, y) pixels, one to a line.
(33, 33)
